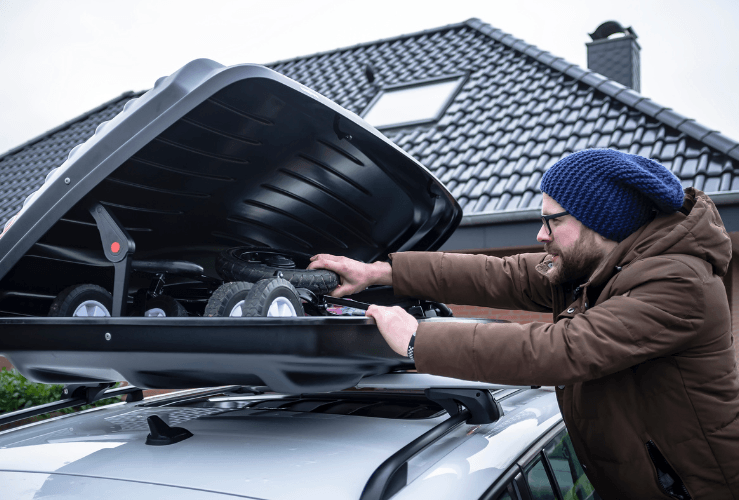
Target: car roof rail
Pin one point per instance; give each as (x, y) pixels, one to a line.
(75, 395)
(474, 405)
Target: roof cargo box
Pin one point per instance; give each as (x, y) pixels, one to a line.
(211, 158)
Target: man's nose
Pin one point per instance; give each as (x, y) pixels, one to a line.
(543, 236)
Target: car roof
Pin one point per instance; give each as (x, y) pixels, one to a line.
(248, 445)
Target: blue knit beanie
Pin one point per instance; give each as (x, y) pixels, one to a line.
(611, 192)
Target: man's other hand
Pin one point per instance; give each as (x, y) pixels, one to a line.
(395, 325)
(355, 276)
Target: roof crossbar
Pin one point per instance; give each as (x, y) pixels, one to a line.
(74, 396)
(414, 380)
(473, 406)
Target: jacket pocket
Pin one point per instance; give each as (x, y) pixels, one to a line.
(668, 480)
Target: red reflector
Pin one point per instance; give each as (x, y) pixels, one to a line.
(115, 247)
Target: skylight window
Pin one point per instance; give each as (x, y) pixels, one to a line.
(412, 104)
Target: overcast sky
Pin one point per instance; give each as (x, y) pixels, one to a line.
(59, 59)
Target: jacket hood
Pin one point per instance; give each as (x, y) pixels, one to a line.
(697, 229)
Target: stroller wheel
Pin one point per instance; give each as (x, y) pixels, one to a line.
(82, 301)
(228, 300)
(253, 264)
(273, 298)
(164, 306)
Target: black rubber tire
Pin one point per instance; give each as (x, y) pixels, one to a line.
(234, 265)
(168, 305)
(265, 292)
(69, 299)
(226, 297)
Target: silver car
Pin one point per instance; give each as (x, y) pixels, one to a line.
(385, 438)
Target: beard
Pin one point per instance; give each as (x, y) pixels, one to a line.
(576, 263)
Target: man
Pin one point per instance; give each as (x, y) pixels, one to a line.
(640, 351)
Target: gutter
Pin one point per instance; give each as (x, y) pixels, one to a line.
(722, 198)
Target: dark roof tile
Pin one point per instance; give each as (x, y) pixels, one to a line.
(525, 200)
(726, 180)
(503, 202)
(676, 165)
(514, 202)
(593, 79)
(533, 181)
(492, 204)
(481, 203)
(694, 129)
(668, 151)
(498, 188)
(715, 165)
(712, 184)
(721, 142)
(630, 97)
(602, 142)
(699, 182)
(702, 163)
(611, 88)
(670, 118)
(576, 72)
(649, 107)
(689, 168)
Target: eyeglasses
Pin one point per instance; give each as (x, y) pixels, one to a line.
(546, 218)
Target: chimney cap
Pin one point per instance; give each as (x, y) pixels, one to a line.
(609, 28)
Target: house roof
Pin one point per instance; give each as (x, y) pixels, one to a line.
(520, 110)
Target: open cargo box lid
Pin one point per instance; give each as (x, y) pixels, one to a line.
(214, 157)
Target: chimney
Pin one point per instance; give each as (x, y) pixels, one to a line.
(614, 54)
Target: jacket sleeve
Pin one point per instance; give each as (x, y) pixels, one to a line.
(645, 322)
(503, 283)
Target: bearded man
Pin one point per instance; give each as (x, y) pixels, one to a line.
(641, 349)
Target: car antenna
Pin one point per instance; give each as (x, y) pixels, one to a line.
(161, 434)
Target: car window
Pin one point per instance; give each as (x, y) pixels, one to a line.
(569, 474)
(538, 480)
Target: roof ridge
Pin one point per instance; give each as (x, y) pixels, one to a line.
(376, 42)
(69, 123)
(630, 97)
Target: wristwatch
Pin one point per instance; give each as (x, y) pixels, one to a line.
(410, 346)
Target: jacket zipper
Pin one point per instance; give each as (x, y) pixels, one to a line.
(669, 482)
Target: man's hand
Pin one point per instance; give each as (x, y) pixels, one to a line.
(395, 325)
(355, 276)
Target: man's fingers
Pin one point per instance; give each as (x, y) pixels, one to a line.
(324, 256)
(326, 261)
(323, 264)
(371, 311)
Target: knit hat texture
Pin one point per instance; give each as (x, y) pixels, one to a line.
(611, 192)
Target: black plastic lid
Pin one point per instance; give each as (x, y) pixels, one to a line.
(214, 157)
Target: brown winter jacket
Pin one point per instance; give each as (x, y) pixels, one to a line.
(644, 353)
